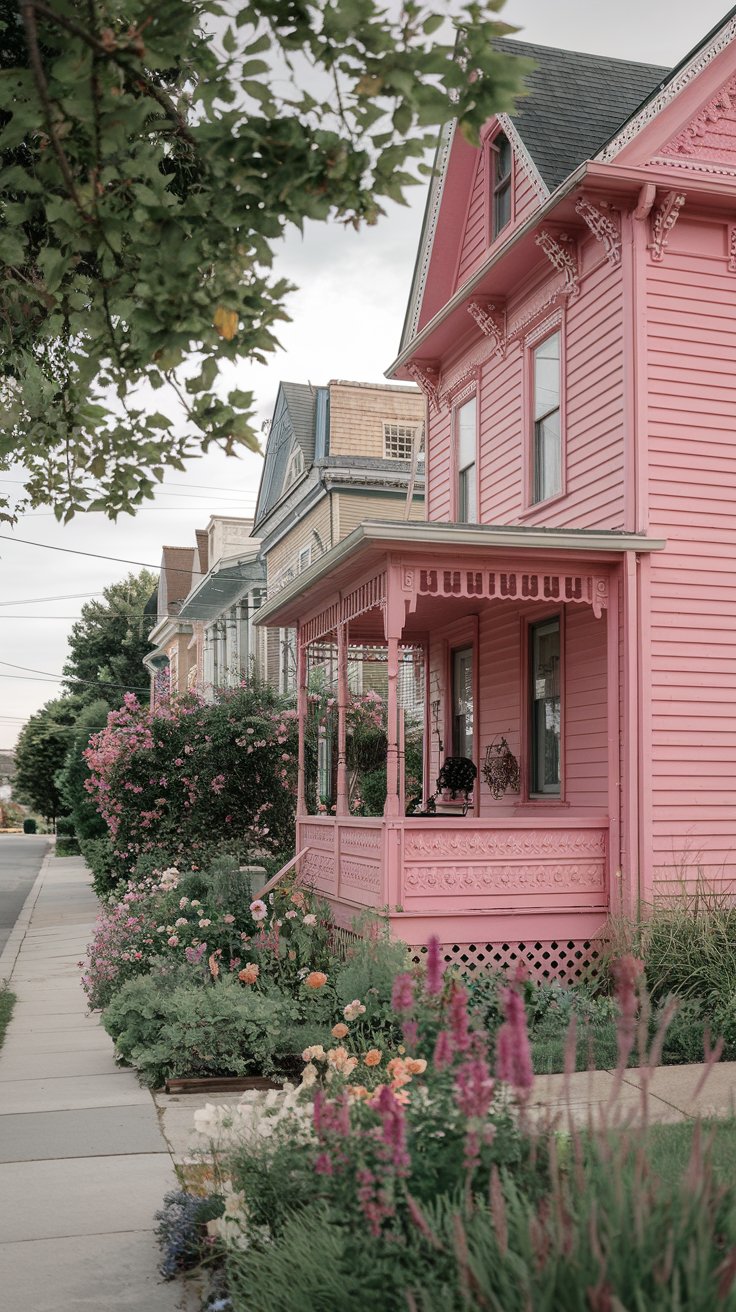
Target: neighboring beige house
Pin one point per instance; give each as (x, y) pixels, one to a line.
(335, 455)
(202, 594)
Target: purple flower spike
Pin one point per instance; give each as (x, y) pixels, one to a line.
(402, 997)
(435, 966)
(513, 1054)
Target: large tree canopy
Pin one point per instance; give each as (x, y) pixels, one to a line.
(40, 754)
(107, 645)
(150, 157)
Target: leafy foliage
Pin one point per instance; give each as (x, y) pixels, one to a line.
(152, 158)
(107, 645)
(43, 743)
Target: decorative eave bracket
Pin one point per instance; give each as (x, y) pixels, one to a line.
(599, 218)
(560, 251)
(427, 376)
(491, 320)
(663, 220)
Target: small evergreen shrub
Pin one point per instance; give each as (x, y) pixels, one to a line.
(29, 825)
(108, 876)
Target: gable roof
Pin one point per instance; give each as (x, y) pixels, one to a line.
(575, 103)
(293, 421)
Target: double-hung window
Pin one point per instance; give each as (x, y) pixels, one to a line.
(546, 708)
(462, 702)
(465, 439)
(547, 426)
(501, 195)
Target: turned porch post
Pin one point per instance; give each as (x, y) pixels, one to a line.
(342, 805)
(393, 621)
(302, 709)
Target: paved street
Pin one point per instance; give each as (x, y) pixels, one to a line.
(20, 861)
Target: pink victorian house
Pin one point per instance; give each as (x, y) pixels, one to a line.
(573, 327)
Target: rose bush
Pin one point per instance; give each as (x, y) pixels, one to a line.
(193, 777)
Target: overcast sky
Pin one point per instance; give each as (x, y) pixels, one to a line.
(346, 322)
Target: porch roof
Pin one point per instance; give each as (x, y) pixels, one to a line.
(373, 541)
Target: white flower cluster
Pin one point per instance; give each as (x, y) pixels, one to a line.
(169, 879)
(255, 1116)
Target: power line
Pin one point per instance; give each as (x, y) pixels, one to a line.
(66, 678)
(95, 555)
(67, 596)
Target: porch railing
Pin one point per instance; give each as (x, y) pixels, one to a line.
(454, 865)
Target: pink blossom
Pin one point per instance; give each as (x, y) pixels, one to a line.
(173, 941)
(435, 966)
(513, 1054)
(402, 995)
(228, 919)
(258, 909)
(442, 1056)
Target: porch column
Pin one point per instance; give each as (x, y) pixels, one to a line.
(618, 902)
(302, 707)
(342, 806)
(393, 626)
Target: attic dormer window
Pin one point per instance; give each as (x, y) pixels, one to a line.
(501, 162)
(295, 467)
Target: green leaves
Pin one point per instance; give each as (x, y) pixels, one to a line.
(146, 173)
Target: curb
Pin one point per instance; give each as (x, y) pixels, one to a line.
(10, 953)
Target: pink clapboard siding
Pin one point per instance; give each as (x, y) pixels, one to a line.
(691, 311)
(501, 657)
(592, 326)
(475, 238)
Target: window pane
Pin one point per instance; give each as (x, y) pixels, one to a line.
(465, 434)
(467, 502)
(546, 708)
(462, 702)
(547, 457)
(501, 208)
(547, 376)
(503, 157)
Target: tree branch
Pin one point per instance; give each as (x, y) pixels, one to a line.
(28, 14)
(76, 29)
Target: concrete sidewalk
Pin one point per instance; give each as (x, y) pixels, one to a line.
(83, 1163)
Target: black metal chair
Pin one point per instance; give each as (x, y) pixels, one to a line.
(457, 777)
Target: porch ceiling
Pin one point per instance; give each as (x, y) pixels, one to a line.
(375, 544)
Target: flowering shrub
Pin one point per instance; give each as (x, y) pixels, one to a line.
(209, 923)
(189, 776)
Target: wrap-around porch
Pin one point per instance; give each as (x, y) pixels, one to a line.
(520, 632)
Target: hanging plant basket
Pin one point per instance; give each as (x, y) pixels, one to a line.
(501, 769)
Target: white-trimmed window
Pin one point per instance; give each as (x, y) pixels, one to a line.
(398, 441)
(546, 384)
(546, 705)
(295, 467)
(501, 169)
(305, 558)
(466, 441)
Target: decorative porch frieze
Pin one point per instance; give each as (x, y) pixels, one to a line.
(368, 595)
(560, 251)
(505, 585)
(732, 248)
(603, 227)
(663, 220)
(505, 844)
(503, 879)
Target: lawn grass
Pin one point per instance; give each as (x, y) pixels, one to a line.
(7, 1002)
(668, 1149)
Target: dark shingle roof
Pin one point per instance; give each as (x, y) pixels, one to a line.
(575, 103)
(293, 421)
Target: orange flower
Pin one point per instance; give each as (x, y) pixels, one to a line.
(398, 1070)
(249, 974)
(340, 1031)
(372, 1057)
(340, 1061)
(316, 979)
(415, 1065)
(214, 966)
(358, 1091)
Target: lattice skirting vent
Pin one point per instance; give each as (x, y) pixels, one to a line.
(342, 940)
(566, 961)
